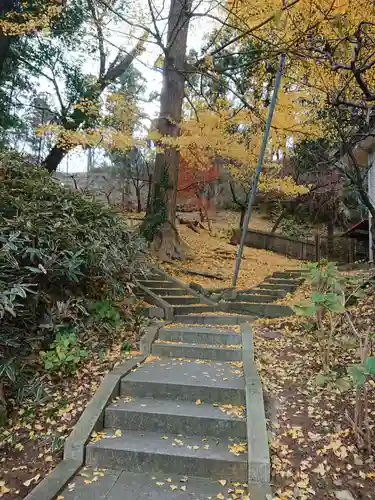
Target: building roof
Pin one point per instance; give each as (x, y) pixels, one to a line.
(359, 231)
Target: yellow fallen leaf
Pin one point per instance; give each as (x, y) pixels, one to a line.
(173, 487)
(195, 447)
(221, 496)
(159, 483)
(60, 497)
(198, 402)
(183, 488)
(118, 433)
(223, 482)
(164, 437)
(169, 480)
(4, 489)
(49, 458)
(238, 491)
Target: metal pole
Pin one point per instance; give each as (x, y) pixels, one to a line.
(258, 170)
(371, 194)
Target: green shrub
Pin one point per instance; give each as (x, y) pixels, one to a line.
(57, 249)
(64, 353)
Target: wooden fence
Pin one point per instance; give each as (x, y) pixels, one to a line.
(340, 249)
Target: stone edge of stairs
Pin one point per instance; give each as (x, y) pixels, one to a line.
(90, 420)
(259, 463)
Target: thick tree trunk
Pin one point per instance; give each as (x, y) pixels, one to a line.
(54, 158)
(159, 225)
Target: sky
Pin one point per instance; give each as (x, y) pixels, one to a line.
(76, 161)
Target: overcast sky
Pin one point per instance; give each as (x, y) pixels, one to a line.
(76, 161)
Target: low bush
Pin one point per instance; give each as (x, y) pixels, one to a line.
(58, 250)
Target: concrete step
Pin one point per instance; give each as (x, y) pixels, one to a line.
(122, 485)
(284, 281)
(276, 286)
(165, 378)
(262, 310)
(193, 308)
(171, 291)
(264, 299)
(180, 299)
(270, 291)
(174, 417)
(191, 351)
(151, 452)
(213, 319)
(157, 284)
(200, 335)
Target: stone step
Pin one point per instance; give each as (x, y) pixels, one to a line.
(123, 485)
(213, 319)
(284, 281)
(151, 452)
(180, 299)
(262, 310)
(270, 291)
(174, 417)
(187, 380)
(163, 292)
(157, 284)
(264, 299)
(293, 273)
(180, 350)
(199, 335)
(276, 286)
(193, 308)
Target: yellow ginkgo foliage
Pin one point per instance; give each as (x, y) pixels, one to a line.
(329, 44)
(30, 20)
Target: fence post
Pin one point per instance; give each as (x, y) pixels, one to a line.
(317, 247)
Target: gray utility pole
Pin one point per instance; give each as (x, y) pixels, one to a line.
(258, 170)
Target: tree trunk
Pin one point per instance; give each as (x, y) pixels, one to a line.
(159, 226)
(330, 231)
(278, 220)
(138, 195)
(54, 158)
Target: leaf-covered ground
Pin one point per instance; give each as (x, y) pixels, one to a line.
(31, 443)
(213, 254)
(314, 452)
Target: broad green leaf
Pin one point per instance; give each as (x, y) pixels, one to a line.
(304, 309)
(370, 365)
(343, 384)
(317, 297)
(336, 307)
(357, 372)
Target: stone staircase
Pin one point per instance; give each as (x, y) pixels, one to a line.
(185, 419)
(171, 295)
(177, 300)
(171, 419)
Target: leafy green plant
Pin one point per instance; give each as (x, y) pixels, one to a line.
(57, 247)
(327, 300)
(64, 353)
(361, 374)
(106, 311)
